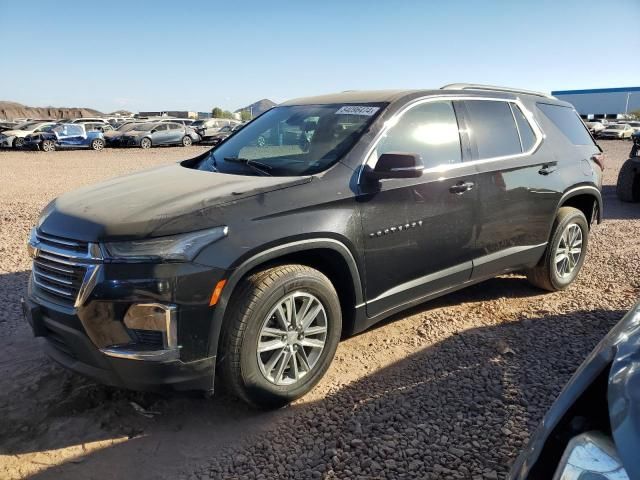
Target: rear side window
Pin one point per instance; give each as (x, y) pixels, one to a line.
(430, 130)
(527, 137)
(491, 125)
(568, 122)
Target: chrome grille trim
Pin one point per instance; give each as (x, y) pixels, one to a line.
(64, 270)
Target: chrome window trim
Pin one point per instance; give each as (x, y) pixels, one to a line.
(391, 122)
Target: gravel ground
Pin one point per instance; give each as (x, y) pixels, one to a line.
(451, 389)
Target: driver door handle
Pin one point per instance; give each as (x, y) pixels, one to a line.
(461, 187)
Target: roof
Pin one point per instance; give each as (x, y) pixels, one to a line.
(356, 96)
(596, 90)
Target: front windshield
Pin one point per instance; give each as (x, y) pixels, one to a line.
(197, 123)
(616, 127)
(127, 126)
(292, 140)
(26, 126)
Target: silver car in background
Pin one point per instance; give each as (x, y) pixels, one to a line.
(147, 135)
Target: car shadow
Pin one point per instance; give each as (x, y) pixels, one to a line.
(464, 405)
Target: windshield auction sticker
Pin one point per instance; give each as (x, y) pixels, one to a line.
(357, 110)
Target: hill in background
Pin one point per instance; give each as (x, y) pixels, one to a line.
(258, 107)
(11, 110)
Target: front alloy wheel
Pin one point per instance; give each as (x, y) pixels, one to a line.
(48, 146)
(292, 338)
(279, 335)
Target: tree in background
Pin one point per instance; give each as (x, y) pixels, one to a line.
(217, 112)
(245, 115)
(635, 115)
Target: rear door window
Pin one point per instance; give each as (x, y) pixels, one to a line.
(492, 127)
(568, 122)
(527, 137)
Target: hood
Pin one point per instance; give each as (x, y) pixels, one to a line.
(17, 133)
(162, 201)
(619, 353)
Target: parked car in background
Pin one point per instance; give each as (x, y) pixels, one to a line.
(253, 261)
(113, 137)
(628, 184)
(223, 133)
(592, 430)
(98, 126)
(147, 135)
(15, 138)
(635, 125)
(66, 135)
(617, 130)
(595, 128)
(5, 125)
(207, 128)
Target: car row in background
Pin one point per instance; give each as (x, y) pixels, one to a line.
(616, 130)
(96, 133)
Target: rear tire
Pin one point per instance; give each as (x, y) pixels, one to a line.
(187, 141)
(145, 143)
(48, 146)
(628, 185)
(97, 144)
(562, 261)
(257, 319)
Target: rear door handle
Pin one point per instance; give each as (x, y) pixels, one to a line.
(461, 187)
(547, 169)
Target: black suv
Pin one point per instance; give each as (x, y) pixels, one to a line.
(254, 258)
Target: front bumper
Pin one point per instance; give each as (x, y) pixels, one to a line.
(90, 337)
(6, 142)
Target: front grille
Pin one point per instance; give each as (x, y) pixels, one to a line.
(59, 267)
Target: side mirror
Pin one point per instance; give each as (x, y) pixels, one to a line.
(398, 165)
(153, 130)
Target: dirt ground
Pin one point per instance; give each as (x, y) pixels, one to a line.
(451, 389)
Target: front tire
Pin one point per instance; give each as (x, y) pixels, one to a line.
(565, 253)
(145, 143)
(187, 141)
(18, 142)
(280, 335)
(628, 185)
(97, 144)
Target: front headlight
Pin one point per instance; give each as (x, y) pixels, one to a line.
(590, 456)
(174, 248)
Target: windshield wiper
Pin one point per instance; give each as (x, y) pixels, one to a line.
(257, 166)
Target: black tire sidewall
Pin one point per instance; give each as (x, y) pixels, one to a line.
(258, 388)
(577, 217)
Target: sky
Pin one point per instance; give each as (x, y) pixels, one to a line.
(197, 54)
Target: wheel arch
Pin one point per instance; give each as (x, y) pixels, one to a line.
(329, 256)
(583, 198)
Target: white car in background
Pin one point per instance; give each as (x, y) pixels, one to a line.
(15, 138)
(595, 127)
(617, 130)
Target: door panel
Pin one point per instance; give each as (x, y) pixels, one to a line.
(419, 232)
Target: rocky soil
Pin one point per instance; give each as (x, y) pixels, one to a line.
(449, 390)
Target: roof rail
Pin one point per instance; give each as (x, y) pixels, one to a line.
(493, 88)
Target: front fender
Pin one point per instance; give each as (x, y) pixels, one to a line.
(270, 254)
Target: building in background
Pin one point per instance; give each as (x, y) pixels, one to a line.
(602, 102)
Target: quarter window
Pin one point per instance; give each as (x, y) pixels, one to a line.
(567, 120)
(430, 130)
(491, 126)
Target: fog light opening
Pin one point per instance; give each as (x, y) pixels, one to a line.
(145, 319)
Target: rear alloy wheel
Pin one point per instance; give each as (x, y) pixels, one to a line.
(18, 142)
(565, 253)
(48, 146)
(97, 144)
(280, 335)
(145, 143)
(187, 141)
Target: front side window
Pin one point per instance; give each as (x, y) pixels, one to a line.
(492, 128)
(568, 122)
(293, 140)
(428, 129)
